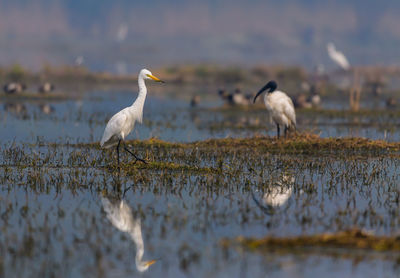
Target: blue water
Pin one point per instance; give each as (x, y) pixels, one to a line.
(63, 231)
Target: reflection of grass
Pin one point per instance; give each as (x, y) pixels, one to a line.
(352, 239)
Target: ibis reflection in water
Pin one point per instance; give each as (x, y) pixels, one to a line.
(279, 106)
(121, 217)
(277, 196)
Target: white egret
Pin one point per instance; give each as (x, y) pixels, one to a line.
(279, 106)
(122, 123)
(79, 61)
(337, 56)
(122, 32)
(121, 217)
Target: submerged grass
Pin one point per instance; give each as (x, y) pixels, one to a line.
(155, 165)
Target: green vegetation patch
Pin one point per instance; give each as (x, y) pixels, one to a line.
(295, 144)
(352, 239)
(159, 165)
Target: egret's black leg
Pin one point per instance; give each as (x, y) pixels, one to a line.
(119, 142)
(277, 129)
(137, 158)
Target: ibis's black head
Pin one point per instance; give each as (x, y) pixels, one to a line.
(271, 87)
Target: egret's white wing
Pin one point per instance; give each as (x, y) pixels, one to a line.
(113, 128)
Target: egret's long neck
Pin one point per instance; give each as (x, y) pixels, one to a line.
(142, 91)
(137, 106)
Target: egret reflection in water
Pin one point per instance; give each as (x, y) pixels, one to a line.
(121, 217)
(277, 196)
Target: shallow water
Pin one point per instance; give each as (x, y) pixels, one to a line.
(171, 119)
(53, 222)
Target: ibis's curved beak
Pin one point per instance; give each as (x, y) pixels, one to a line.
(260, 92)
(149, 263)
(155, 78)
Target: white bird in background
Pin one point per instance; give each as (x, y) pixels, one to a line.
(337, 56)
(122, 32)
(79, 61)
(279, 106)
(121, 217)
(122, 123)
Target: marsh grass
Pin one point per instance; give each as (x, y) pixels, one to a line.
(349, 239)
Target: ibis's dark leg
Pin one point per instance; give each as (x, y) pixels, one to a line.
(286, 129)
(119, 142)
(277, 129)
(137, 158)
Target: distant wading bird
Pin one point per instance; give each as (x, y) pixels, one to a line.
(337, 56)
(122, 123)
(46, 87)
(14, 87)
(280, 107)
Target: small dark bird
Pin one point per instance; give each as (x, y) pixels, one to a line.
(223, 94)
(14, 87)
(238, 98)
(301, 101)
(195, 101)
(391, 102)
(46, 87)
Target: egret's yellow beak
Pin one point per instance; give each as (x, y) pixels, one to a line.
(149, 263)
(155, 78)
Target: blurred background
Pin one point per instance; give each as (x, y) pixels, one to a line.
(123, 35)
(67, 66)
